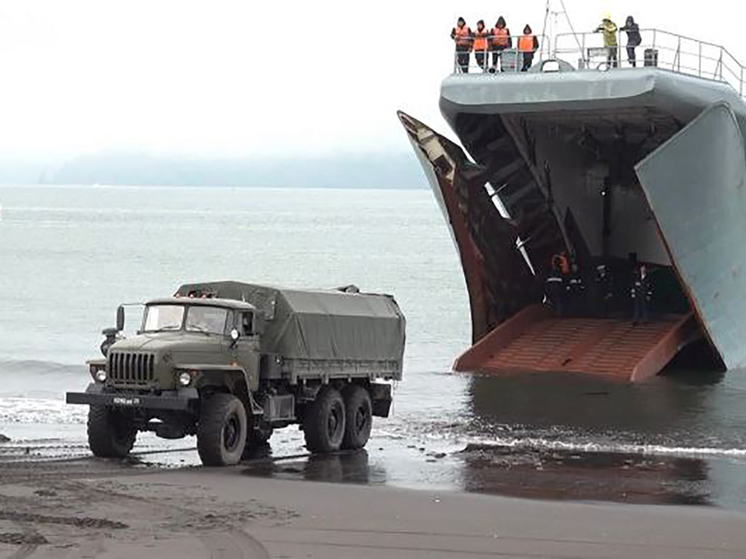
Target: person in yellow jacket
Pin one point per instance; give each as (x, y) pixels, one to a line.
(610, 30)
(462, 36)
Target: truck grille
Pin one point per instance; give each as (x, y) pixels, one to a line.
(131, 368)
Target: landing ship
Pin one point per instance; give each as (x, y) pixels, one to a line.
(614, 165)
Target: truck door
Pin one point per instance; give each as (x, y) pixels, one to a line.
(245, 351)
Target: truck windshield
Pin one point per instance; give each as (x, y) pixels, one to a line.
(210, 320)
(163, 317)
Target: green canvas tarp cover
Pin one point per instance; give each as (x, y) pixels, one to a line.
(310, 324)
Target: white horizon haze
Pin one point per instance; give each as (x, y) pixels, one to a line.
(234, 78)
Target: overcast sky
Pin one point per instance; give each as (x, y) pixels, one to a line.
(242, 78)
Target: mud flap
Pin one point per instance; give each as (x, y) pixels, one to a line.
(499, 280)
(695, 185)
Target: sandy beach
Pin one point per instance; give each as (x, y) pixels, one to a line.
(90, 508)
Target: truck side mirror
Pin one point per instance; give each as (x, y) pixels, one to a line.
(120, 319)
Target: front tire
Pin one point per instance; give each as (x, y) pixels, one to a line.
(222, 430)
(111, 434)
(324, 423)
(359, 417)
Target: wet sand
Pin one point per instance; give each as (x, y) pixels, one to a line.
(93, 508)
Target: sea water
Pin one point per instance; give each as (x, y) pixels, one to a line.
(70, 255)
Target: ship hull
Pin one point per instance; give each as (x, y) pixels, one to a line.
(613, 168)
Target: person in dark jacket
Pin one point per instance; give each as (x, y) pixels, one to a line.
(576, 293)
(642, 294)
(528, 44)
(500, 40)
(464, 39)
(634, 39)
(556, 288)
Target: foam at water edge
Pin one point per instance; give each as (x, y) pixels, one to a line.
(621, 448)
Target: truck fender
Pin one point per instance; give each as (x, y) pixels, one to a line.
(215, 376)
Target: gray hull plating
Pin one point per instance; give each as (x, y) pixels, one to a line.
(695, 185)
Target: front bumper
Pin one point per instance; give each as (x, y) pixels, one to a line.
(175, 400)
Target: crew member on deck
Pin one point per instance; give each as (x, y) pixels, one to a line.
(528, 44)
(641, 293)
(500, 40)
(609, 29)
(634, 39)
(481, 45)
(461, 35)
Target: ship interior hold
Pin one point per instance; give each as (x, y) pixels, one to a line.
(562, 184)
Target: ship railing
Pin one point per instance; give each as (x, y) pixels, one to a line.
(670, 51)
(509, 59)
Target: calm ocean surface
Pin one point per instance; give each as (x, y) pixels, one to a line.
(70, 255)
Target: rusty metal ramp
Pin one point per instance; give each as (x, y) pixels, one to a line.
(536, 340)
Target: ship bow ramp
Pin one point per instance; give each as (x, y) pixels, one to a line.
(617, 168)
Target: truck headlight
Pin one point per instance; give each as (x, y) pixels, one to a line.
(185, 379)
(100, 375)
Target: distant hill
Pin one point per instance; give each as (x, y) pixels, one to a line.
(397, 170)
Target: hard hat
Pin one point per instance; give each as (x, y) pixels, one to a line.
(607, 15)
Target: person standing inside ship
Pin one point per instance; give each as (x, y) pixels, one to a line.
(576, 299)
(556, 290)
(641, 293)
(528, 44)
(609, 29)
(481, 45)
(634, 39)
(500, 40)
(461, 34)
(603, 292)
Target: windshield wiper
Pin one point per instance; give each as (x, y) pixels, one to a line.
(199, 329)
(166, 329)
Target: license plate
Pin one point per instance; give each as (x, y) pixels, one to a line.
(126, 401)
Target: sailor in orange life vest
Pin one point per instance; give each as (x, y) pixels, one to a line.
(461, 34)
(500, 40)
(481, 45)
(528, 44)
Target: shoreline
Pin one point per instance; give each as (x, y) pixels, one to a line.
(101, 508)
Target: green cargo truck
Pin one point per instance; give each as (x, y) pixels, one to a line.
(230, 362)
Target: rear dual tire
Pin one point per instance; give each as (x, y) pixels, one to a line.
(335, 421)
(358, 417)
(324, 423)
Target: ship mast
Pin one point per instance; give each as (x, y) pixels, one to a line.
(549, 34)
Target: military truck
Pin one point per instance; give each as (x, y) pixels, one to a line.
(230, 362)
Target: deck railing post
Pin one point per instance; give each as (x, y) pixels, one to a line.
(700, 59)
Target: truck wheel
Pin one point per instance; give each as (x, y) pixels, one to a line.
(359, 420)
(324, 423)
(221, 432)
(111, 434)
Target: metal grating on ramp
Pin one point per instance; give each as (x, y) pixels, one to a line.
(535, 340)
